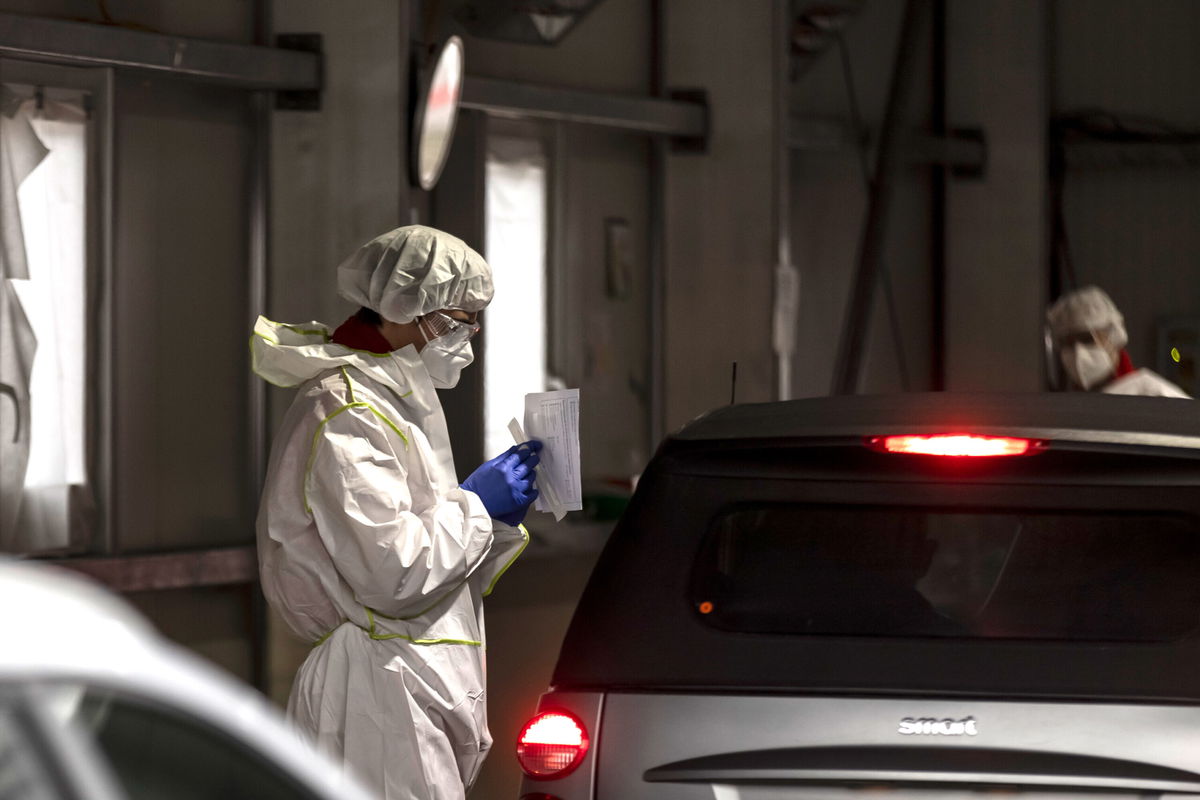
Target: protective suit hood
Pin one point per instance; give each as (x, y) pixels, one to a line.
(288, 355)
(1087, 309)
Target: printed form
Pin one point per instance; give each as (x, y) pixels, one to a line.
(553, 418)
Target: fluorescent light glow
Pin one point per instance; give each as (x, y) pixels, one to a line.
(516, 180)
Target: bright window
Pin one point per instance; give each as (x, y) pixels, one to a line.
(515, 322)
(53, 216)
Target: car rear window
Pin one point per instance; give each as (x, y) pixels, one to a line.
(905, 572)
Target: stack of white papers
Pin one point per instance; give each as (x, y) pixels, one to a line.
(553, 419)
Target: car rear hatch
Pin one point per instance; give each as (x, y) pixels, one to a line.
(761, 747)
(788, 610)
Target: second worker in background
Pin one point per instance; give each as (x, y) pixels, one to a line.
(1088, 336)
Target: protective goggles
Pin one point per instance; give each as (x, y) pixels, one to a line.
(453, 331)
(1098, 336)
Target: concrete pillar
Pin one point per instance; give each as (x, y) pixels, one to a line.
(338, 175)
(720, 208)
(996, 228)
(338, 179)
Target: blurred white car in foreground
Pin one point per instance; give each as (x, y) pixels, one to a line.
(94, 704)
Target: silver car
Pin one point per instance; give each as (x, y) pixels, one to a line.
(913, 596)
(94, 705)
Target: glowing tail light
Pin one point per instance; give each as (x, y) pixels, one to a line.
(955, 444)
(551, 745)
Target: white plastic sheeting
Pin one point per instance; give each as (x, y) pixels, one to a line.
(20, 153)
(50, 298)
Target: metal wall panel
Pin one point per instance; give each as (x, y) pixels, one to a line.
(721, 247)
(996, 228)
(181, 458)
(338, 175)
(1133, 230)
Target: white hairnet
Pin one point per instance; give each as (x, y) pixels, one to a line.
(415, 270)
(1087, 309)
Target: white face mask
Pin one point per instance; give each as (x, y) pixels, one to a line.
(1088, 365)
(445, 357)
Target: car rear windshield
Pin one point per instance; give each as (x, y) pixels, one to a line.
(891, 571)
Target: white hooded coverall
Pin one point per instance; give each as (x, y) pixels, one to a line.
(369, 549)
(1090, 309)
(1146, 383)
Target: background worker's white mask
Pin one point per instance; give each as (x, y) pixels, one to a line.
(1088, 365)
(445, 361)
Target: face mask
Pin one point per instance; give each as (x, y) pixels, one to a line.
(1088, 365)
(445, 362)
(445, 357)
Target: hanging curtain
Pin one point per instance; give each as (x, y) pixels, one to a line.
(20, 153)
(50, 223)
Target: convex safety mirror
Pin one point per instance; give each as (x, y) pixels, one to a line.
(436, 111)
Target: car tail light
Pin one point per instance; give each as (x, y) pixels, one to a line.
(551, 745)
(955, 444)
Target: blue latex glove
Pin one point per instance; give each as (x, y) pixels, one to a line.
(505, 484)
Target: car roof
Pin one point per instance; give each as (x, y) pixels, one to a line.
(1105, 455)
(61, 627)
(56, 614)
(1061, 416)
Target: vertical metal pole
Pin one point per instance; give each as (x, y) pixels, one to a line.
(656, 305)
(858, 310)
(1059, 245)
(407, 65)
(106, 354)
(937, 231)
(786, 284)
(1060, 271)
(557, 353)
(259, 257)
(257, 275)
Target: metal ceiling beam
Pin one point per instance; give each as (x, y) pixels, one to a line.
(649, 115)
(1132, 155)
(963, 150)
(90, 44)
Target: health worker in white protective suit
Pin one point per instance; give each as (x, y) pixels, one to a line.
(368, 545)
(1088, 334)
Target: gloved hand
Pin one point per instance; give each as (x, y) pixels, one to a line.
(505, 484)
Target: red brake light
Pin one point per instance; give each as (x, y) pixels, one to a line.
(551, 745)
(954, 444)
